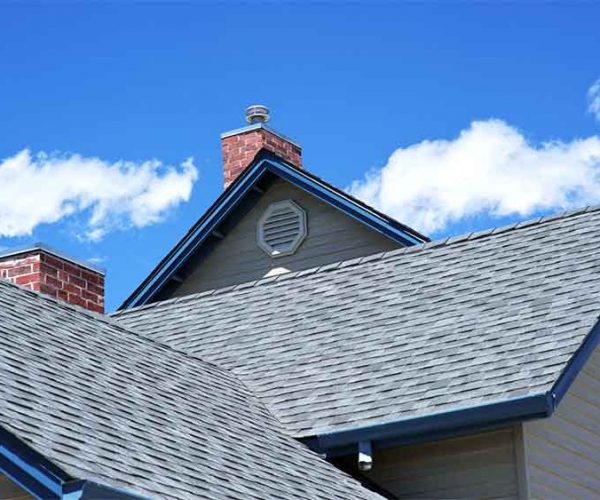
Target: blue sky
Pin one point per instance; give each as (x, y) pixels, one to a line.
(354, 84)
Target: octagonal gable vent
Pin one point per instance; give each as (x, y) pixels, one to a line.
(281, 228)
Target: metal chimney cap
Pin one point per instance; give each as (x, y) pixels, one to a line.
(257, 113)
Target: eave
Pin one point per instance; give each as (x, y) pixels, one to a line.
(461, 421)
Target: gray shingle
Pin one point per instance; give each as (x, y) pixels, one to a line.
(463, 321)
(109, 405)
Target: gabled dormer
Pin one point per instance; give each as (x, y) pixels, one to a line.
(273, 217)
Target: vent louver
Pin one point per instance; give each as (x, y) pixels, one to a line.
(281, 228)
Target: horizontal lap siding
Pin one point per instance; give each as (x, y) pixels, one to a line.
(332, 237)
(478, 466)
(563, 452)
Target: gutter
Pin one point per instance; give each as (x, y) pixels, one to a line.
(461, 421)
(435, 426)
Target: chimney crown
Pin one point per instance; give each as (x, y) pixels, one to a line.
(43, 269)
(240, 146)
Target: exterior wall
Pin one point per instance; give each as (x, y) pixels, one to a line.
(332, 237)
(563, 451)
(43, 272)
(478, 466)
(11, 491)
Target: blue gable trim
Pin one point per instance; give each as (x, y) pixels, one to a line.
(576, 364)
(29, 469)
(228, 201)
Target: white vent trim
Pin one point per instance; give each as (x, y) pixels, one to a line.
(281, 228)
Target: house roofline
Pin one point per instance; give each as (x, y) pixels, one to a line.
(460, 421)
(29, 468)
(265, 161)
(433, 426)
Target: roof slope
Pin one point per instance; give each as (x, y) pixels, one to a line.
(106, 404)
(479, 319)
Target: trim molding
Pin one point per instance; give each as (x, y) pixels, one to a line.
(29, 469)
(435, 426)
(463, 420)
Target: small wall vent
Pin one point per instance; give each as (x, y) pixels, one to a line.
(281, 228)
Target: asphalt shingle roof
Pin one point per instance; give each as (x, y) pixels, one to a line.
(475, 319)
(108, 405)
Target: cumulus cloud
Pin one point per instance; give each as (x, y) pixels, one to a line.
(490, 169)
(46, 188)
(594, 99)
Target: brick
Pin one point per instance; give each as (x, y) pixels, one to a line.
(46, 269)
(19, 271)
(64, 280)
(95, 289)
(52, 281)
(27, 278)
(53, 261)
(72, 269)
(90, 296)
(76, 299)
(69, 287)
(63, 276)
(91, 277)
(239, 151)
(94, 307)
(75, 280)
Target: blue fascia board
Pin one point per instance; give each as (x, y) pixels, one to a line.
(576, 364)
(90, 490)
(28, 468)
(464, 420)
(433, 426)
(348, 206)
(185, 248)
(228, 202)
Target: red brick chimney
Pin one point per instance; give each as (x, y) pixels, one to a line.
(45, 270)
(240, 146)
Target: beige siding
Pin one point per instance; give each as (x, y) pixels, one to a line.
(563, 451)
(478, 466)
(10, 491)
(332, 236)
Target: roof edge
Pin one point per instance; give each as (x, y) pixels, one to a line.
(264, 161)
(463, 420)
(576, 364)
(28, 468)
(435, 426)
(81, 489)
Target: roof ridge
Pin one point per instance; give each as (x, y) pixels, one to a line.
(430, 245)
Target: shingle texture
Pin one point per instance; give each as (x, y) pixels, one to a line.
(108, 405)
(477, 319)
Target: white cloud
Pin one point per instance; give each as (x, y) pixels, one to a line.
(46, 188)
(489, 169)
(594, 99)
